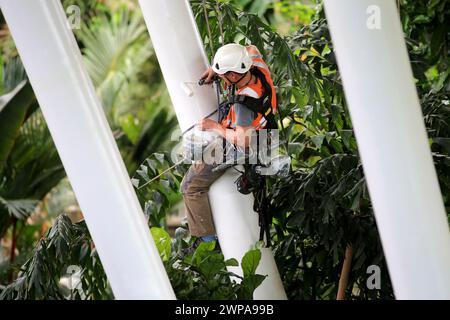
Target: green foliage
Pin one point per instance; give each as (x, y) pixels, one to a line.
(427, 37)
(65, 246)
(16, 103)
(155, 131)
(29, 164)
(33, 167)
(114, 52)
(426, 27)
(323, 205)
(203, 274)
(283, 15)
(157, 186)
(199, 275)
(120, 60)
(318, 210)
(31, 170)
(162, 241)
(13, 110)
(88, 9)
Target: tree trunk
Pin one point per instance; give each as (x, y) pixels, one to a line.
(13, 247)
(343, 280)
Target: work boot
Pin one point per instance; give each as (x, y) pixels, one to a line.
(191, 249)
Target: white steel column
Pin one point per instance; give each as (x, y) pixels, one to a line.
(182, 59)
(389, 127)
(87, 148)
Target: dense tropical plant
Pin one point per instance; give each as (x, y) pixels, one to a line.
(157, 181)
(65, 265)
(121, 62)
(283, 15)
(323, 207)
(29, 164)
(65, 247)
(203, 274)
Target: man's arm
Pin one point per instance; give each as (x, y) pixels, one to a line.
(239, 137)
(208, 76)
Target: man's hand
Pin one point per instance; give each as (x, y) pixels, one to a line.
(208, 124)
(208, 76)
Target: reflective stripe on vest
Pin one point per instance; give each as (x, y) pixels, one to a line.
(262, 66)
(254, 90)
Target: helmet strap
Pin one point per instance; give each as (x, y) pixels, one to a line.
(250, 80)
(237, 81)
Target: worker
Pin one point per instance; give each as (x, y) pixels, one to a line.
(244, 68)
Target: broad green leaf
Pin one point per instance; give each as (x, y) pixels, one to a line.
(202, 251)
(421, 19)
(232, 262)
(163, 242)
(206, 246)
(248, 286)
(13, 110)
(130, 127)
(295, 148)
(250, 262)
(211, 265)
(318, 140)
(346, 135)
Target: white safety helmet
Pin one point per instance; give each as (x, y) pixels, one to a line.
(231, 57)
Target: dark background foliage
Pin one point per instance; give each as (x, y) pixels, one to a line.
(324, 206)
(319, 211)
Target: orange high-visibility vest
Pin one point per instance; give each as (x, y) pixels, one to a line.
(254, 90)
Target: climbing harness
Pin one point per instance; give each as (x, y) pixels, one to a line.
(251, 179)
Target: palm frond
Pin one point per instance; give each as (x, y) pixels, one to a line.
(19, 208)
(114, 52)
(33, 167)
(13, 74)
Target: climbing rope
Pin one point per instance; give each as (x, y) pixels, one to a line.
(162, 173)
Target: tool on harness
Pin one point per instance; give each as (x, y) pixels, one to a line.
(261, 206)
(201, 82)
(248, 181)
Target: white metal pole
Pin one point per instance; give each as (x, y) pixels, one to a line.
(87, 148)
(389, 127)
(182, 59)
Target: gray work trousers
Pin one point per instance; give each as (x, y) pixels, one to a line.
(195, 187)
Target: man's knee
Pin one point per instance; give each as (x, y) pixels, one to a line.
(190, 187)
(188, 184)
(197, 180)
(184, 186)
